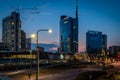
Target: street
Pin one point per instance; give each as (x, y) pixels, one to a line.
(67, 74)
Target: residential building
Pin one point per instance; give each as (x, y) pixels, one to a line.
(11, 31)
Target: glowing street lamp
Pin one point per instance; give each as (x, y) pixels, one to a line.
(37, 56)
(33, 35)
(49, 31)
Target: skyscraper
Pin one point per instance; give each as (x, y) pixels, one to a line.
(95, 42)
(69, 33)
(104, 42)
(11, 31)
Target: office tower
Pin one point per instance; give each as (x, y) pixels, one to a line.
(95, 42)
(23, 40)
(69, 33)
(11, 31)
(28, 43)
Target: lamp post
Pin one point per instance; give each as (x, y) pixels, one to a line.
(37, 51)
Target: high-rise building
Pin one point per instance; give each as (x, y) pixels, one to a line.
(95, 42)
(23, 40)
(11, 31)
(104, 42)
(69, 33)
(28, 43)
(114, 51)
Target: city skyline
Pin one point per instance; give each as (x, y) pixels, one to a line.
(95, 15)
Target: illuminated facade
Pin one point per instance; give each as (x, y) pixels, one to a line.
(11, 31)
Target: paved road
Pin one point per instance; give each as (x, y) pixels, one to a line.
(66, 75)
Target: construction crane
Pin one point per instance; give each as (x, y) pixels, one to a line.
(23, 10)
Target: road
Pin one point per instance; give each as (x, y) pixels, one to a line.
(64, 75)
(69, 74)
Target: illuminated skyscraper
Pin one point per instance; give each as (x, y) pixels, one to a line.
(11, 31)
(69, 33)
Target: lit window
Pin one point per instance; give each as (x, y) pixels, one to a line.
(12, 49)
(12, 30)
(75, 42)
(12, 35)
(12, 23)
(66, 18)
(65, 22)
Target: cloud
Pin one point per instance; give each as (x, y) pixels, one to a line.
(54, 48)
(47, 47)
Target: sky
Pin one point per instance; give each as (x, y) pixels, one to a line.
(98, 15)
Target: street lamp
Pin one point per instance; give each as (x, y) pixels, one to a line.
(37, 56)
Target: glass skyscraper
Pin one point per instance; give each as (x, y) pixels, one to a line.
(95, 42)
(69, 33)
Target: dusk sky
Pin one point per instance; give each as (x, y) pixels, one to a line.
(98, 15)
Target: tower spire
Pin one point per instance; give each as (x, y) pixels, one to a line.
(76, 9)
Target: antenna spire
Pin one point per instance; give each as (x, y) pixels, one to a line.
(77, 9)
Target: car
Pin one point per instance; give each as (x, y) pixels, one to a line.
(109, 67)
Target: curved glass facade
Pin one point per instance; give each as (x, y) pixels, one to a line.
(68, 34)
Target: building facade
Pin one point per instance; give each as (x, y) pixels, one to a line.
(23, 40)
(114, 51)
(11, 31)
(40, 49)
(69, 33)
(95, 42)
(28, 43)
(104, 42)
(3, 47)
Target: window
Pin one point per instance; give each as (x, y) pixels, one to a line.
(12, 23)
(65, 22)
